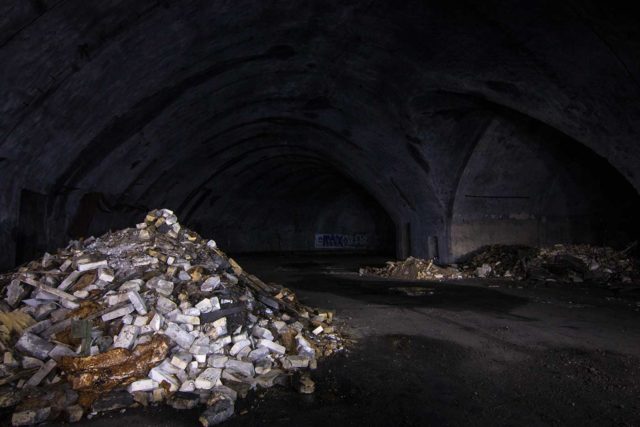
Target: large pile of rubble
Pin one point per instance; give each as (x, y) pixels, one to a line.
(149, 315)
(558, 263)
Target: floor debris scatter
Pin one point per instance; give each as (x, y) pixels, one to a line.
(558, 263)
(149, 315)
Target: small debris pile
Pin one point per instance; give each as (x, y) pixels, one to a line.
(558, 263)
(584, 263)
(508, 261)
(414, 269)
(149, 315)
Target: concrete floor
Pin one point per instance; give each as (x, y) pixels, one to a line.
(466, 353)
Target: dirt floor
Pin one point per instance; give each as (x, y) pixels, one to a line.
(464, 353)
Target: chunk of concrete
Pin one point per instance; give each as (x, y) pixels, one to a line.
(41, 373)
(106, 275)
(183, 318)
(258, 354)
(74, 413)
(30, 416)
(156, 322)
(146, 384)
(16, 292)
(165, 305)
(127, 337)
(239, 367)
(34, 346)
(205, 306)
(219, 409)
(272, 346)
(217, 360)
(184, 400)
(137, 301)
(210, 284)
(117, 299)
(161, 286)
(60, 351)
(161, 376)
(295, 362)
(120, 312)
(263, 333)
(131, 285)
(181, 337)
(93, 265)
(181, 359)
(208, 378)
(238, 346)
(113, 400)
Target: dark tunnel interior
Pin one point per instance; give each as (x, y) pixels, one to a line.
(323, 212)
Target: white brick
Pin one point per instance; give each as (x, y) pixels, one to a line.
(205, 306)
(137, 301)
(160, 376)
(264, 333)
(181, 359)
(123, 311)
(217, 361)
(156, 322)
(272, 346)
(131, 285)
(208, 378)
(181, 337)
(143, 385)
(117, 299)
(235, 349)
(106, 275)
(210, 284)
(183, 318)
(127, 337)
(165, 305)
(41, 373)
(92, 265)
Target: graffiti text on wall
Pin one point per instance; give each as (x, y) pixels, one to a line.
(341, 241)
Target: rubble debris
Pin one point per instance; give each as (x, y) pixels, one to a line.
(220, 407)
(30, 416)
(305, 384)
(558, 263)
(148, 315)
(74, 413)
(414, 269)
(113, 400)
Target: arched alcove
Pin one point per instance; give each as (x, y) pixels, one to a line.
(525, 183)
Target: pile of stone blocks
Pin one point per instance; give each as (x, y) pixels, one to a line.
(149, 315)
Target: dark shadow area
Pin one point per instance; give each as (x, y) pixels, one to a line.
(293, 203)
(448, 296)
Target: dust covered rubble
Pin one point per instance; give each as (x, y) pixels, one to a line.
(557, 263)
(149, 315)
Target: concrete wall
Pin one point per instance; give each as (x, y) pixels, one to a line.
(292, 225)
(524, 184)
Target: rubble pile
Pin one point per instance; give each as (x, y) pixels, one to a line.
(149, 315)
(508, 261)
(558, 263)
(584, 263)
(414, 269)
